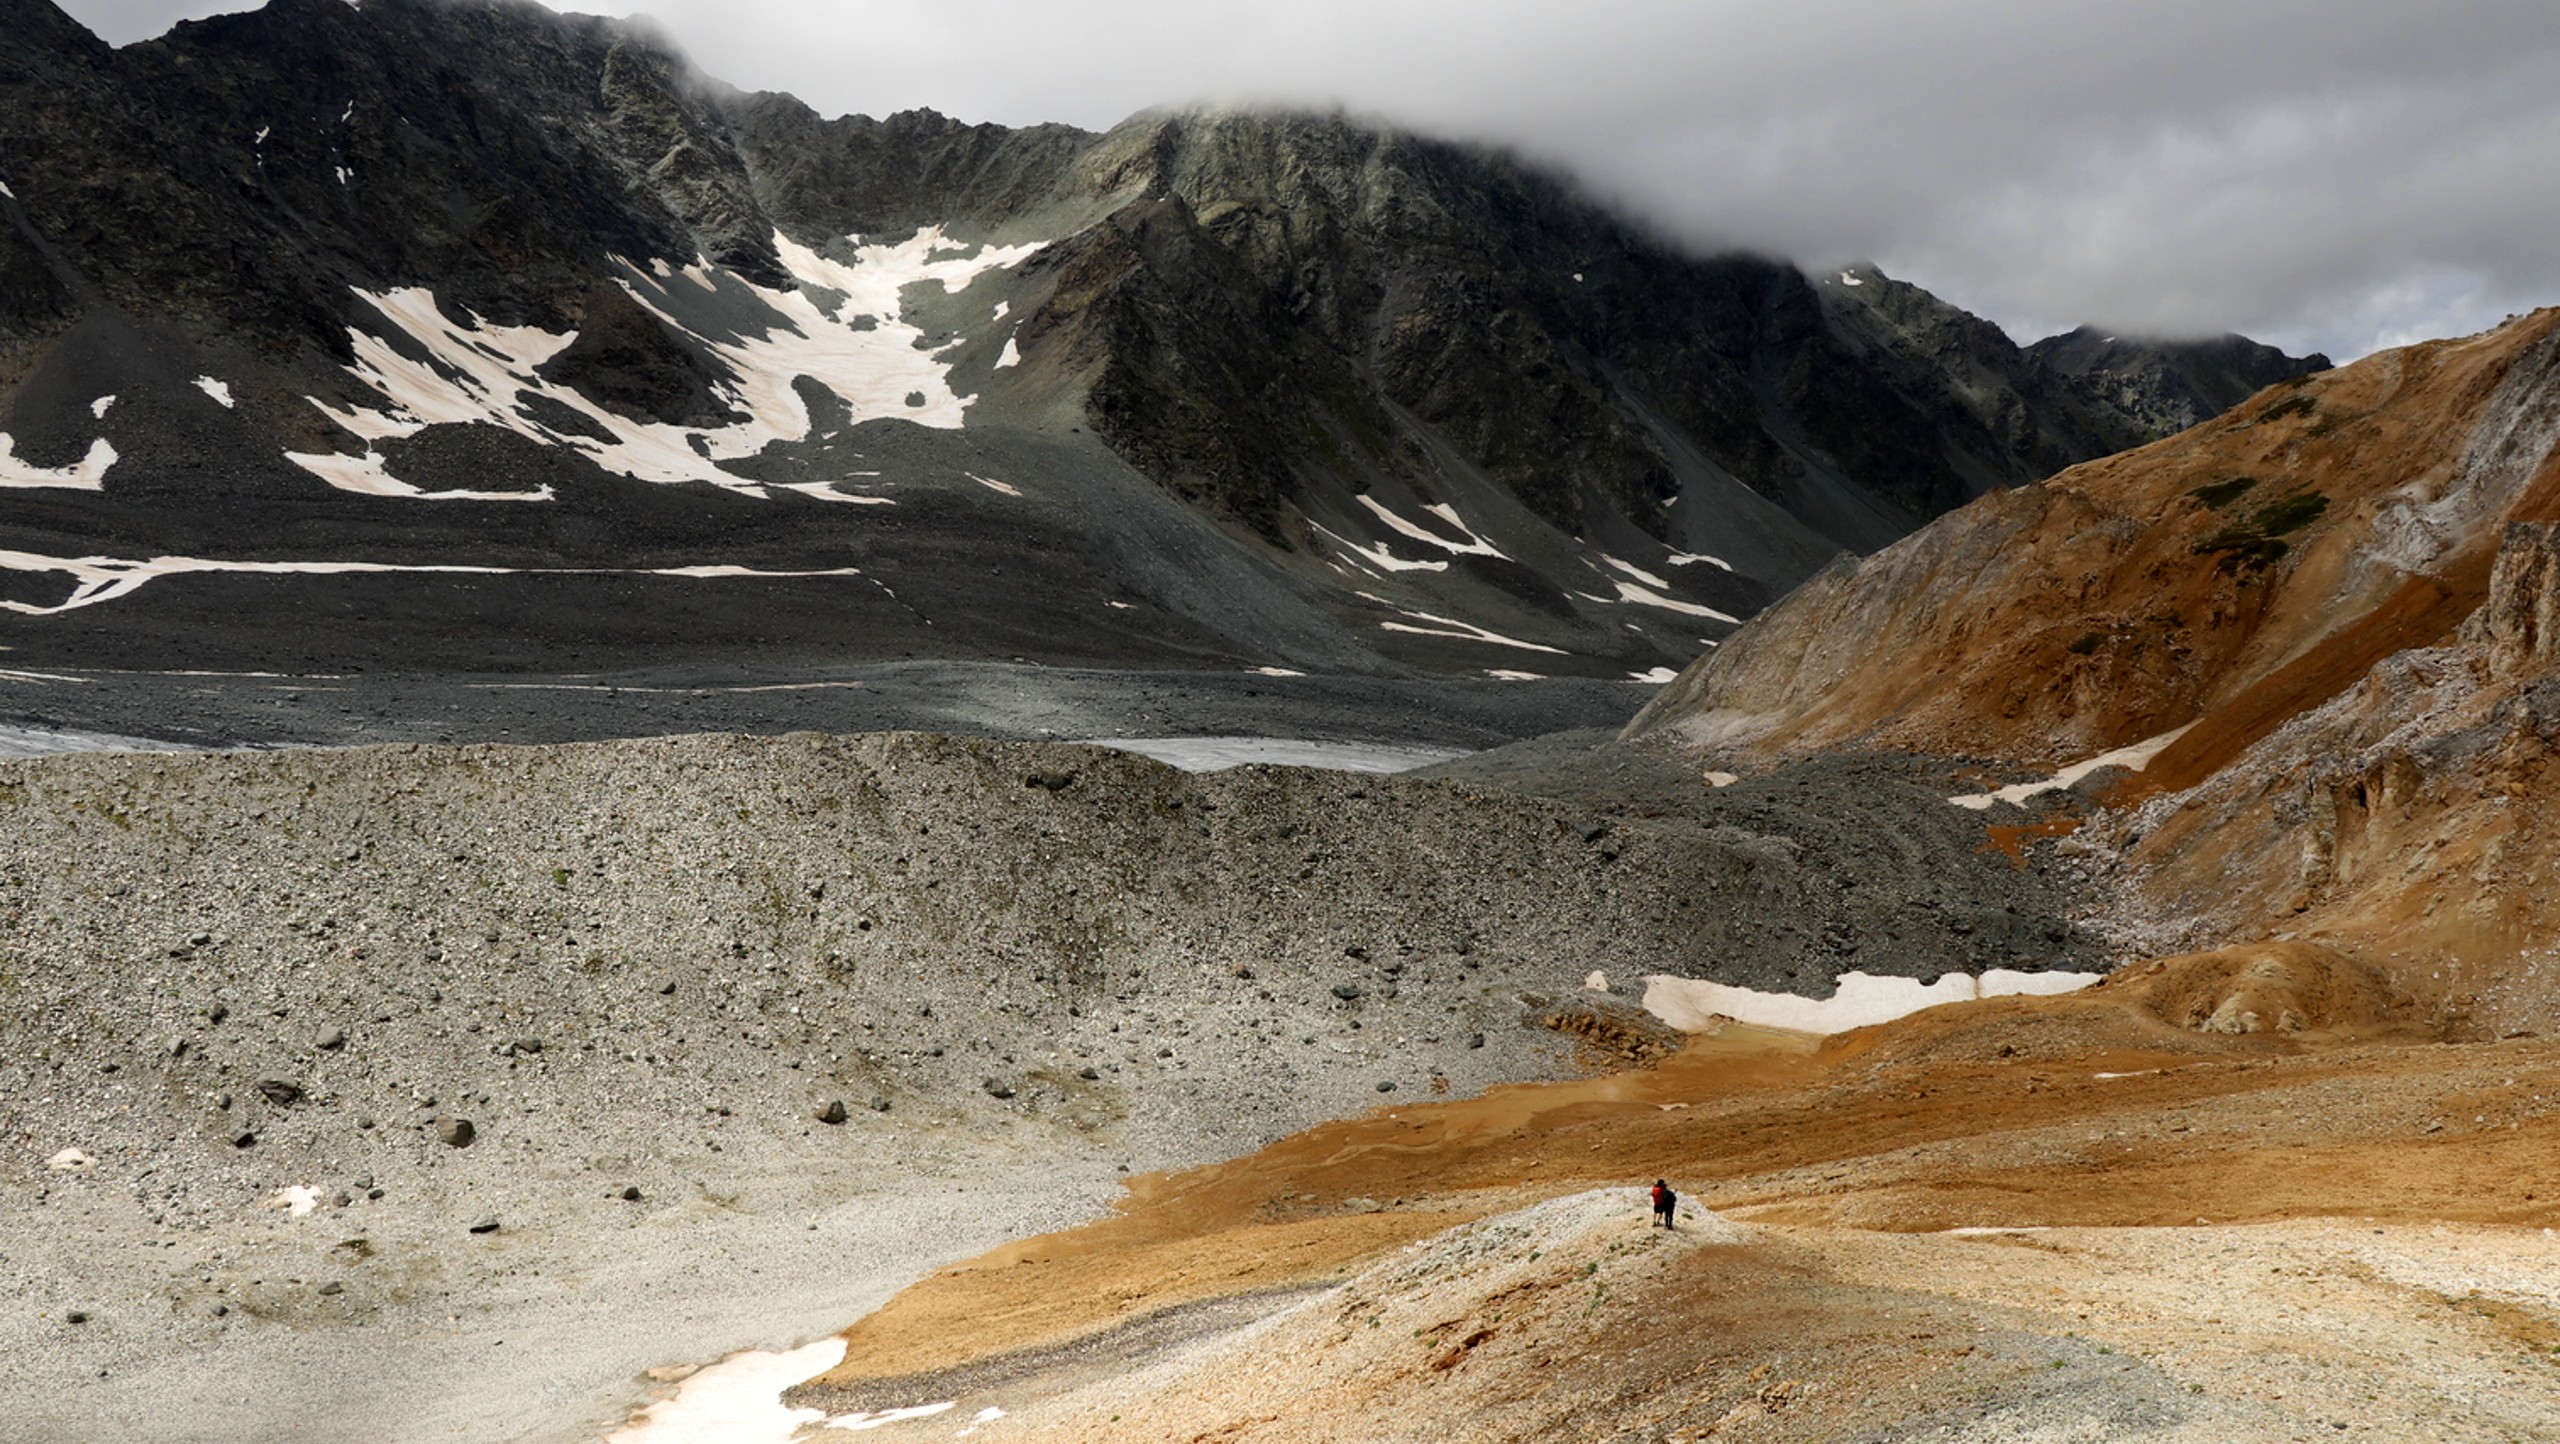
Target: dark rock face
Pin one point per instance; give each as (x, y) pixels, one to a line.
(1282, 389)
(2171, 385)
(626, 361)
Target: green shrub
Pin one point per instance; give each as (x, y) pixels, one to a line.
(2253, 545)
(2219, 494)
(2300, 403)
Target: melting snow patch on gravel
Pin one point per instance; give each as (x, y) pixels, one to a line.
(89, 473)
(220, 391)
(736, 1401)
(297, 1200)
(1859, 1000)
(2132, 759)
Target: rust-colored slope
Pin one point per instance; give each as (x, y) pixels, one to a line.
(2406, 822)
(2234, 575)
(2127, 1106)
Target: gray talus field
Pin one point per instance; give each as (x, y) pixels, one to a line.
(651, 966)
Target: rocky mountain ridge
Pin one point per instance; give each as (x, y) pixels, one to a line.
(308, 302)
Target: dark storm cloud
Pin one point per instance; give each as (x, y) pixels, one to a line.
(2343, 174)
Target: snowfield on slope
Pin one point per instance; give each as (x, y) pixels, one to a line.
(840, 327)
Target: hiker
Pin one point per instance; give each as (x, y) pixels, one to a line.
(1664, 1200)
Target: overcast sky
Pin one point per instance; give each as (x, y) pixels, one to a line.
(2332, 174)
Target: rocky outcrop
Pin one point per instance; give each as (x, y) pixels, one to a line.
(2170, 385)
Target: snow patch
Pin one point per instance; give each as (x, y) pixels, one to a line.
(367, 476)
(1505, 674)
(1850, 278)
(1011, 355)
(261, 137)
(1377, 554)
(1720, 779)
(991, 484)
(1003, 308)
(474, 369)
(826, 491)
(1637, 572)
(737, 1401)
(98, 408)
(1473, 546)
(220, 391)
(1858, 1000)
(89, 473)
(104, 579)
(2132, 759)
(1658, 674)
(296, 1200)
(854, 1423)
(1630, 592)
(1277, 672)
(1682, 559)
(342, 175)
(1464, 632)
(5, 191)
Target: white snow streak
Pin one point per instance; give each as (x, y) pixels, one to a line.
(104, 579)
(1850, 278)
(1630, 592)
(854, 1423)
(5, 191)
(1505, 674)
(826, 491)
(1473, 546)
(1658, 674)
(89, 473)
(2133, 758)
(365, 474)
(991, 484)
(1683, 559)
(98, 408)
(1464, 632)
(1011, 355)
(1377, 555)
(220, 391)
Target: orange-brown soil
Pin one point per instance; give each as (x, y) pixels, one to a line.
(2231, 576)
(2129, 1107)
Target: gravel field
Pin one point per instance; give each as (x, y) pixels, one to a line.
(247, 991)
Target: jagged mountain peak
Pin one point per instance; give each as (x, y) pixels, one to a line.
(447, 269)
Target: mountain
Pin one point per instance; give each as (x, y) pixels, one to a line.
(465, 335)
(2171, 384)
(2315, 633)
